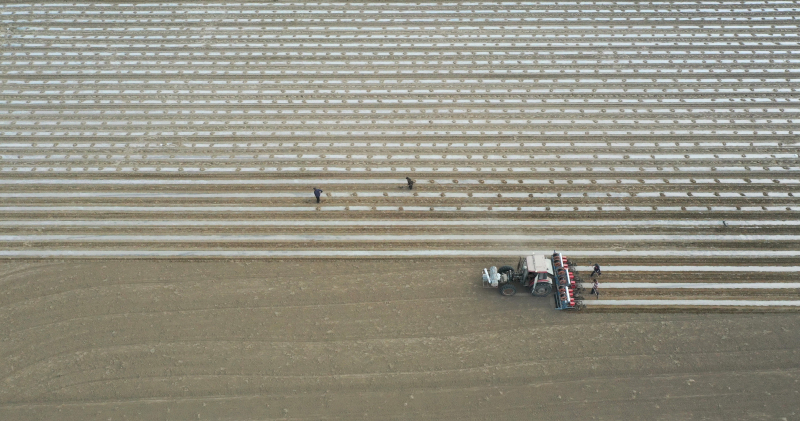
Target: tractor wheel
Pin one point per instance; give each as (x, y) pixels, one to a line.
(504, 269)
(540, 290)
(508, 290)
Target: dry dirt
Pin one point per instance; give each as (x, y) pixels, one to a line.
(365, 339)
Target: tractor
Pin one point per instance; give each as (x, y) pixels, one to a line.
(541, 274)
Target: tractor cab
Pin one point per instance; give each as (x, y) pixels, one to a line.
(537, 273)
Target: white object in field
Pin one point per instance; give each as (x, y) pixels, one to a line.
(704, 303)
(687, 285)
(548, 265)
(491, 278)
(538, 263)
(494, 277)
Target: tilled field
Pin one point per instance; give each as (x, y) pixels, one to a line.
(367, 339)
(659, 139)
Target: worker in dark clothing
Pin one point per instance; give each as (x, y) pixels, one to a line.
(595, 290)
(317, 192)
(596, 270)
(410, 183)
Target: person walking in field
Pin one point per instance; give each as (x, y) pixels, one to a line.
(595, 289)
(317, 192)
(410, 183)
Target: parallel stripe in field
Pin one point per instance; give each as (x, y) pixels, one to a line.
(508, 172)
(720, 285)
(380, 10)
(473, 194)
(369, 208)
(389, 181)
(232, 254)
(704, 101)
(386, 223)
(698, 303)
(449, 143)
(691, 268)
(395, 237)
(427, 157)
(445, 131)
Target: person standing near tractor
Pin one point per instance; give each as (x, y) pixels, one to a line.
(317, 192)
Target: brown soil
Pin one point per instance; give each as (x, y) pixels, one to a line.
(365, 339)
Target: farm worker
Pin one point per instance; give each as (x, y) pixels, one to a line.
(595, 291)
(410, 183)
(596, 269)
(317, 192)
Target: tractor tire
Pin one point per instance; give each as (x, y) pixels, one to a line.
(504, 269)
(507, 290)
(541, 290)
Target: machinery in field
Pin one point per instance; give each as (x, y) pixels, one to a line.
(542, 275)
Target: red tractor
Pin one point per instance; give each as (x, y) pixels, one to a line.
(542, 275)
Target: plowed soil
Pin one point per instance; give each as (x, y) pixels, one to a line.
(366, 339)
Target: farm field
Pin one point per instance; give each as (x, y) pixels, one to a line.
(163, 256)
